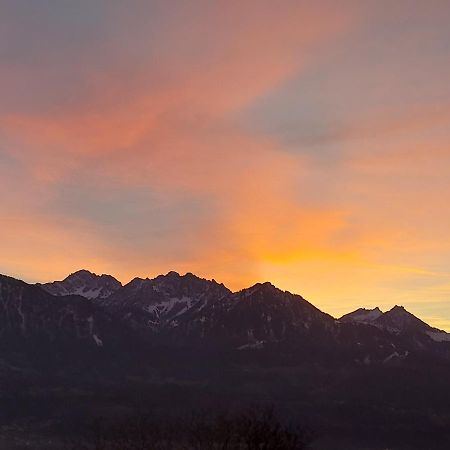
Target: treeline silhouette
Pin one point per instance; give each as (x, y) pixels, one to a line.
(252, 429)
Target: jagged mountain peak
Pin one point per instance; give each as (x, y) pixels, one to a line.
(362, 315)
(137, 280)
(157, 301)
(265, 285)
(81, 272)
(398, 309)
(88, 275)
(172, 274)
(175, 276)
(84, 283)
(263, 315)
(187, 284)
(398, 319)
(261, 288)
(30, 310)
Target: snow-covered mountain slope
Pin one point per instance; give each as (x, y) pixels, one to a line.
(438, 335)
(84, 283)
(161, 301)
(362, 315)
(397, 320)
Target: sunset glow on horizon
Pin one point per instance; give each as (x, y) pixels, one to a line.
(302, 143)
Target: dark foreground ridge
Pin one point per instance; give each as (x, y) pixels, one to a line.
(86, 347)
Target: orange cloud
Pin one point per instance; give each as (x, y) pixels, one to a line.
(162, 118)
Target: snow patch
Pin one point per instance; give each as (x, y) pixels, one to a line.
(363, 315)
(258, 345)
(396, 355)
(165, 307)
(97, 340)
(439, 336)
(393, 355)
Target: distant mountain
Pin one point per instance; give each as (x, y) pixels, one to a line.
(362, 315)
(186, 311)
(189, 310)
(158, 303)
(255, 317)
(399, 320)
(61, 334)
(84, 283)
(396, 321)
(30, 313)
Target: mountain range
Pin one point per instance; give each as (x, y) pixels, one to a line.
(190, 312)
(86, 347)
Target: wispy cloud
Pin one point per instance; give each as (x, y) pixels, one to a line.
(241, 141)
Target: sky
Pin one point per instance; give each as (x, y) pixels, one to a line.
(304, 143)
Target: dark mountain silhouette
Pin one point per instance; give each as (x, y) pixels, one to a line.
(180, 341)
(29, 312)
(188, 311)
(397, 321)
(42, 331)
(185, 311)
(256, 317)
